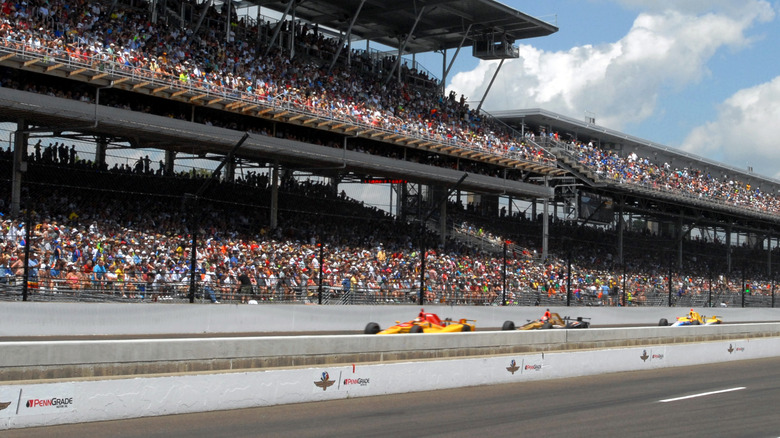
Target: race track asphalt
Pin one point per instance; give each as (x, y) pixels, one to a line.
(734, 399)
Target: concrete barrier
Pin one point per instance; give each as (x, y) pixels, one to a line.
(40, 404)
(25, 360)
(265, 370)
(87, 319)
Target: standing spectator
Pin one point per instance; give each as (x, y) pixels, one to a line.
(244, 285)
(99, 274)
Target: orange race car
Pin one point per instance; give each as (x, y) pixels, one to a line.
(425, 322)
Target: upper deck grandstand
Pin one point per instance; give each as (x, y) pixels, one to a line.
(187, 80)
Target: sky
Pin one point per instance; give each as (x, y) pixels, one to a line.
(699, 75)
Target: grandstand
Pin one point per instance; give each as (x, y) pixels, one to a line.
(291, 111)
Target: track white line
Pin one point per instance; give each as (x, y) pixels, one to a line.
(703, 394)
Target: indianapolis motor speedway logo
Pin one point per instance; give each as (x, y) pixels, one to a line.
(4, 405)
(324, 381)
(512, 367)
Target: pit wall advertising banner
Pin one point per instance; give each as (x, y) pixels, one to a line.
(30, 404)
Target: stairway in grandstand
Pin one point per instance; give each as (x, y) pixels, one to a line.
(483, 243)
(570, 163)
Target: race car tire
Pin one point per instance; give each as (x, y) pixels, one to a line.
(372, 328)
(695, 322)
(465, 328)
(508, 325)
(416, 329)
(663, 322)
(546, 325)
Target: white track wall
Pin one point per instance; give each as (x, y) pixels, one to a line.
(31, 404)
(84, 319)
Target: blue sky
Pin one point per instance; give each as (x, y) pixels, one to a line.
(703, 76)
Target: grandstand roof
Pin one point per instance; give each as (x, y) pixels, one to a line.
(442, 24)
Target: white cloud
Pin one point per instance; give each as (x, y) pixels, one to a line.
(745, 132)
(666, 49)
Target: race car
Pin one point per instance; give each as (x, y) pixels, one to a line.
(692, 318)
(553, 320)
(425, 322)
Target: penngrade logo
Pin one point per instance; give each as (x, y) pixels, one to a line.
(512, 367)
(53, 402)
(324, 381)
(4, 405)
(359, 381)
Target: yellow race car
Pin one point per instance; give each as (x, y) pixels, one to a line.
(425, 322)
(692, 318)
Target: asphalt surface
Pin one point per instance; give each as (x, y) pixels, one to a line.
(735, 399)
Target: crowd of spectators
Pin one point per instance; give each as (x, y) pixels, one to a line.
(633, 169)
(212, 60)
(136, 245)
(100, 242)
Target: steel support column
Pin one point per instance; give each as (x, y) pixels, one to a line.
(403, 46)
(101, 144)
(728, 249)
(545, 223)
(680, 238)
(274, 194)
(443, 223)
(19, 165)
(170, 162)
(490, 85)
(446, 72)
(346, 36)
(620, 232)
(277, 29)
(206, 6)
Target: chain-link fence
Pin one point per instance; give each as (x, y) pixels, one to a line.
(124, 233)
